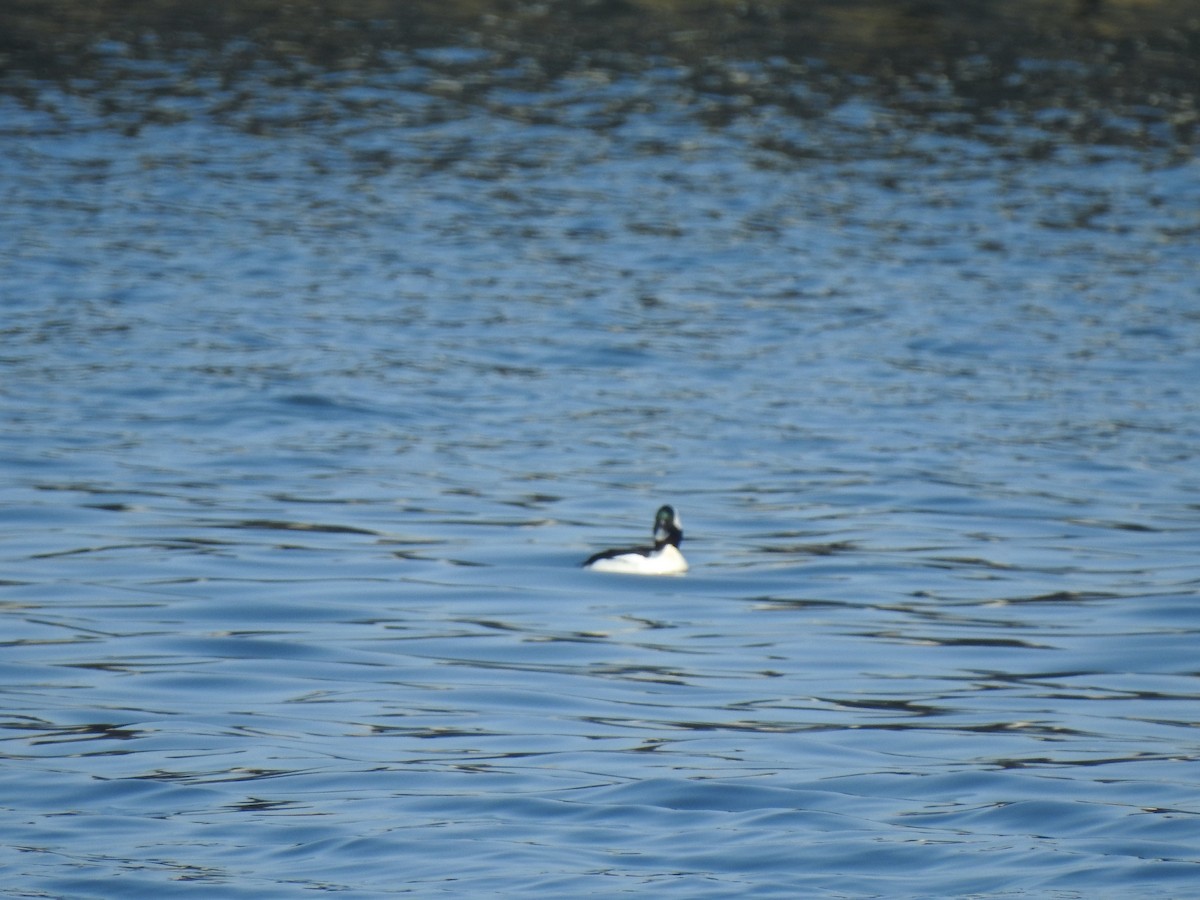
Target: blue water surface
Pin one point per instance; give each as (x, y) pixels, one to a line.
(312, 408)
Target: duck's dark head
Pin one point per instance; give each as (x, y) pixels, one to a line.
(668, 529)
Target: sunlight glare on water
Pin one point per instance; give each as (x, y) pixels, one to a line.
(307, 430)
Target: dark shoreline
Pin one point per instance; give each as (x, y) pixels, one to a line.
(39, 36)
(1139, 59)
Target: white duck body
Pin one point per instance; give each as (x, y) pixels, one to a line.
(667, 561)
(663, 558)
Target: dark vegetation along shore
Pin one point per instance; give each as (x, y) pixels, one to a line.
(1128, 71)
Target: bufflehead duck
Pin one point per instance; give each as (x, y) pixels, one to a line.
(663, 558)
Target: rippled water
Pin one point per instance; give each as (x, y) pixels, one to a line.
(312, 408)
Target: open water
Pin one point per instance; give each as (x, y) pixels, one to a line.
(314, 397)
